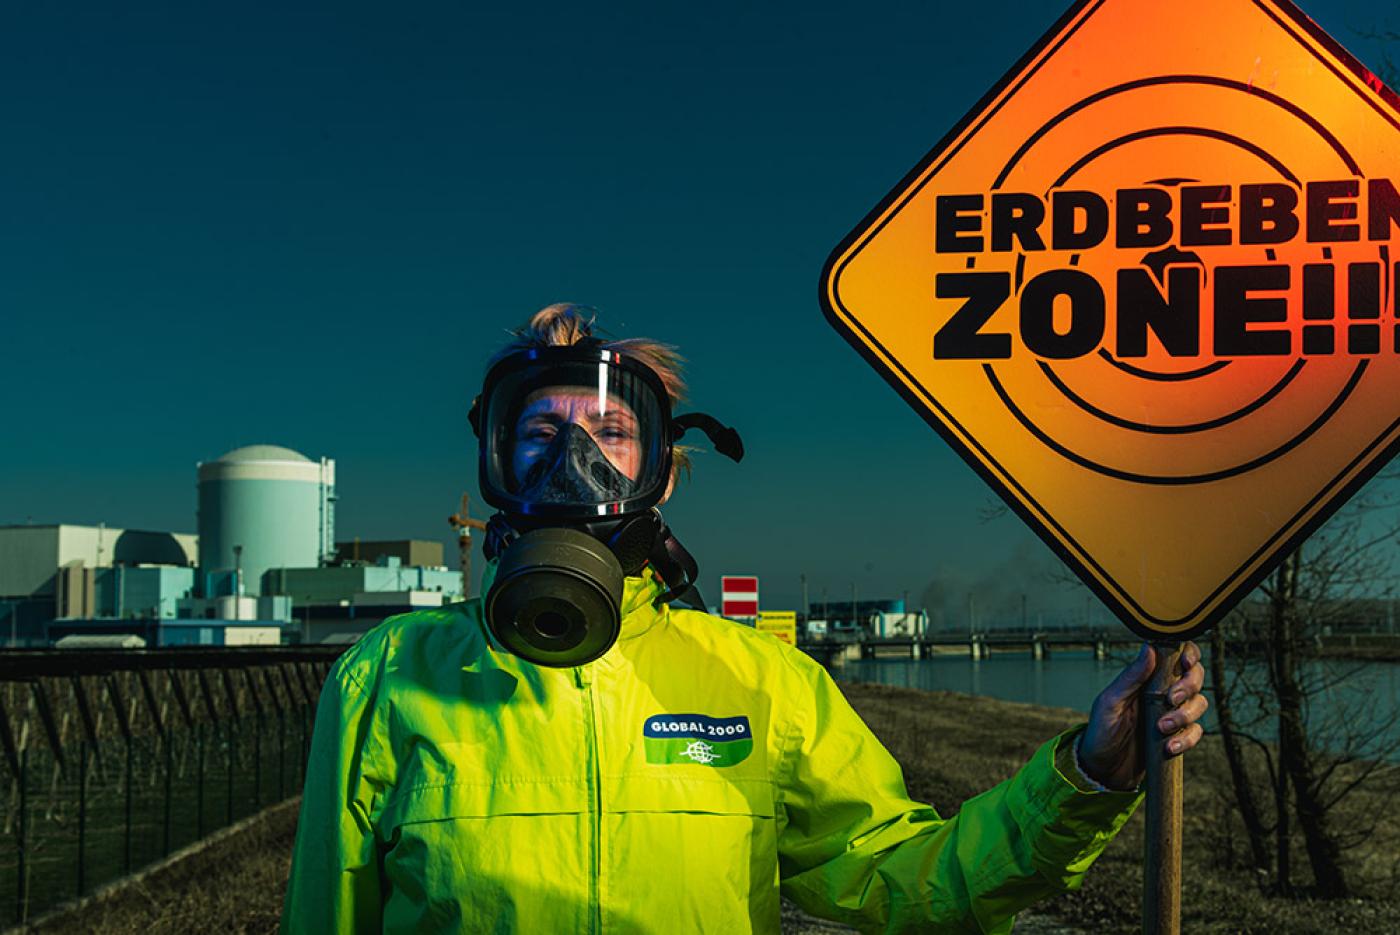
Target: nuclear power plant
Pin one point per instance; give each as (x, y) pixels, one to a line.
(263, 567)
(261, 507)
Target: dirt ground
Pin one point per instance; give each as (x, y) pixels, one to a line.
(951, 747)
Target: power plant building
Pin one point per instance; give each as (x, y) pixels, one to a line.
(263, 568)
(67, 570)
(422, 553)
(337, 582)
(261, 507)
(340, 601)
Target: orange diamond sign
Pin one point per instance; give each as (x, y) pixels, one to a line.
(1148, 289)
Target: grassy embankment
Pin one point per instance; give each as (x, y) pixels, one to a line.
(951, 747)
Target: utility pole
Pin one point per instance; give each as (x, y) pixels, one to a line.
(806, 608)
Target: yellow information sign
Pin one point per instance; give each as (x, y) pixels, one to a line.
(779, 623)
(1148, 289)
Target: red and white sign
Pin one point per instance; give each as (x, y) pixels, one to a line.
(739, 595)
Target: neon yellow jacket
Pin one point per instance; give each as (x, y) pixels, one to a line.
(671, 786)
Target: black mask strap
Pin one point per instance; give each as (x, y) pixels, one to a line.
(724, 438)
(499, 535)
(677, 567)
(474, 416)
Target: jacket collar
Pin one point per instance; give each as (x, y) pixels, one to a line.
(639, 610)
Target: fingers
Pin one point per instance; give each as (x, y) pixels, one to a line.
(1189, 713)
(1190, 704)
(1193, 675)
(1185, 740)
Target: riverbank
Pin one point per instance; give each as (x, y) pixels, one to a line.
(951, 747)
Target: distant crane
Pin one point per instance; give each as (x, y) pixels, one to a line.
(464, 524)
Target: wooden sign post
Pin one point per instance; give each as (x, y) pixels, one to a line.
(1161, 881)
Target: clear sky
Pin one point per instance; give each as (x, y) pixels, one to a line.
(309, 225)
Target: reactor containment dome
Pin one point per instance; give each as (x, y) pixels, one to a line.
(261, 507)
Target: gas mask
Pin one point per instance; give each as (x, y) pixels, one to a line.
(576, 453)
(573, 469)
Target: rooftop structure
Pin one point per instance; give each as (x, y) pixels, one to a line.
(421, 552)
(30, 556)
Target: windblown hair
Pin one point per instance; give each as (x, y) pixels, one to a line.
(565, 323)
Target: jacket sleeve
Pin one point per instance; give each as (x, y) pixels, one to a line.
(334, 885)
(855, 849)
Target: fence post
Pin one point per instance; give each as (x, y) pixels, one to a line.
(21, 883)
(257, 765)
(305, 742)
(199, 776)
(82, 815)
(126, 856)
(281, 754)
(169, 768)
(257, 736)
(232, 732)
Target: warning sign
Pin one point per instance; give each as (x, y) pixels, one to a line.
(1148, 289)
(779, 623)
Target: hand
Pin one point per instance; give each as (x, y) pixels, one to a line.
(1110, 750)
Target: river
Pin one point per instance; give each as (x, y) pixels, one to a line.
(1366, 694)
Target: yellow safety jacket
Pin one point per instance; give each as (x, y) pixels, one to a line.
(674, 785)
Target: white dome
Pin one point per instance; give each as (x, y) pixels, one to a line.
(264, 453)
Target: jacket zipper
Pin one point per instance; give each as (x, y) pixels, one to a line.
(584, 679)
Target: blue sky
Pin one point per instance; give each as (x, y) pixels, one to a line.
(310, 224)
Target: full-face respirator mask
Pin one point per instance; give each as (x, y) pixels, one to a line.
(576, 453)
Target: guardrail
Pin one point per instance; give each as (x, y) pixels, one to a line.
(112, 759)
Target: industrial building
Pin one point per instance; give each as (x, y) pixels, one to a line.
(880, 618)
(65, 570)
(414, 553)
(337, 582)
(338, 600)
(264, 567)
(164, 633)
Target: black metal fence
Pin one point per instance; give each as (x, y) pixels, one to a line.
(110, 760)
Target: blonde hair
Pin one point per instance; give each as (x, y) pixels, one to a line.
(566, 323)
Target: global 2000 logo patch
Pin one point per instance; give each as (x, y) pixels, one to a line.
(696, 738)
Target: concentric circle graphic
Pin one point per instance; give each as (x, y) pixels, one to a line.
(1171, 399)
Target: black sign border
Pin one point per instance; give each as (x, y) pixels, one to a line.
(1042, 525)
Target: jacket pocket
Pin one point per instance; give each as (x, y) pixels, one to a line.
(719, 794)
(464, 850)
(705, 845)
(450, 780)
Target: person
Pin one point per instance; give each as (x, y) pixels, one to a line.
(578, 752)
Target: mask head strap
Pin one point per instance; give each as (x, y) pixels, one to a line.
(676, 566)
(725, 439)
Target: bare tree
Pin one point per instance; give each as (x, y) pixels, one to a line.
(1268, 668)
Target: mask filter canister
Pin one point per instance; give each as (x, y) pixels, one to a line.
(557, 598)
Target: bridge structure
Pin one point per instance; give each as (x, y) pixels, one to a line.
(1040, 644)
